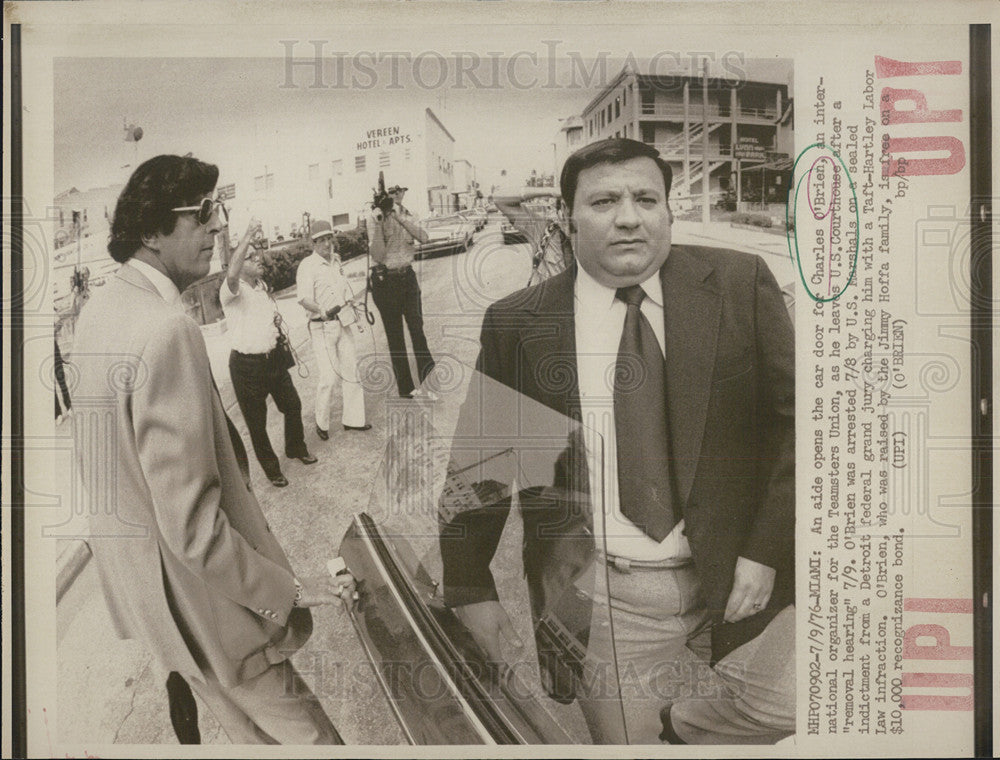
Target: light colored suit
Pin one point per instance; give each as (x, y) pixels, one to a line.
(186, 558)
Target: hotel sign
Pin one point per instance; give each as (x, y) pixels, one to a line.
(749, 148)
(383, 137)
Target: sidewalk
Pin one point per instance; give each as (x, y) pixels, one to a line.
(772, 247)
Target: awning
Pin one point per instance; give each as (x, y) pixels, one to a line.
(776, 165)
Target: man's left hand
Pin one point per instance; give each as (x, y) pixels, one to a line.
(752, 586)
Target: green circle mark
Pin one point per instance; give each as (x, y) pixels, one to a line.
(791, 233)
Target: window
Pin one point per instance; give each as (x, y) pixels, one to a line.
(263, 182)
(624, 97)
(406, 154)
(618, 107)
(313, 172)
(359, 163)
(383, 159)
(609, 113)
(337, 167)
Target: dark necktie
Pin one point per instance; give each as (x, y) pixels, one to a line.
(644, 482)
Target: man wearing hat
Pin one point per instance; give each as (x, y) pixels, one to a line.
(397, 293)
(325, 294)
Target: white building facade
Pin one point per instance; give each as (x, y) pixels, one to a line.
(332, 173)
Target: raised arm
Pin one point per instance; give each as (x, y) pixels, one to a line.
(240, 255)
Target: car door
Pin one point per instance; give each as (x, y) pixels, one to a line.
(485, 496)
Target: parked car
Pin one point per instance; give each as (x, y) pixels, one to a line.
(511, 234)
(431, 490)
(448, 234)
(477, 216)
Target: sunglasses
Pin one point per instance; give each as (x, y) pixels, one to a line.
(205, 209)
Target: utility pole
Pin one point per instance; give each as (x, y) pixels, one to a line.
(705, 166)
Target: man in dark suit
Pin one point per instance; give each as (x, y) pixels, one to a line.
(696, 538)
(187, 561)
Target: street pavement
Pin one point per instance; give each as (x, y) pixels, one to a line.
(109, 690)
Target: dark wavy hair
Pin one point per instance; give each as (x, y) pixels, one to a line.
(158, 185)
(615, 150)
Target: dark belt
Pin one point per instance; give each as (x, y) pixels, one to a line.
(256, 357)
(399, 270)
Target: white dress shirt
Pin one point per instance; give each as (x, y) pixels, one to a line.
(599, 319)
(249, 318)
(322, 282)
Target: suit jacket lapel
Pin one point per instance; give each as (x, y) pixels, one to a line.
(691, 309)
(550, 346)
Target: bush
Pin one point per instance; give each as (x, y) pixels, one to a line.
(351, 244)
(752, 220)
(727, 202)
(278, 265)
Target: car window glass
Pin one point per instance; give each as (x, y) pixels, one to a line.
(487, 472)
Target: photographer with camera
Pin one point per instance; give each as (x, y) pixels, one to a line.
(394, 286)
(326, 295)
(260, 359)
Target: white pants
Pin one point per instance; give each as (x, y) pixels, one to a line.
(333, 345)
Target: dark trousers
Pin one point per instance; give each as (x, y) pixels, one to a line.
(398, 298)
(183, 709)
(255, 376)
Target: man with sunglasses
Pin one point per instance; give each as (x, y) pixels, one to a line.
(188, 564)
(256, 366)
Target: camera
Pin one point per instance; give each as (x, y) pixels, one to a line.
(382, 202)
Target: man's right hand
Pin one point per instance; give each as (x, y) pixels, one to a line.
(486, 621)
(253, 228)
(324, 589)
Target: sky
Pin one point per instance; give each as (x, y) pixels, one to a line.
(220, 109)
(503, 113)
